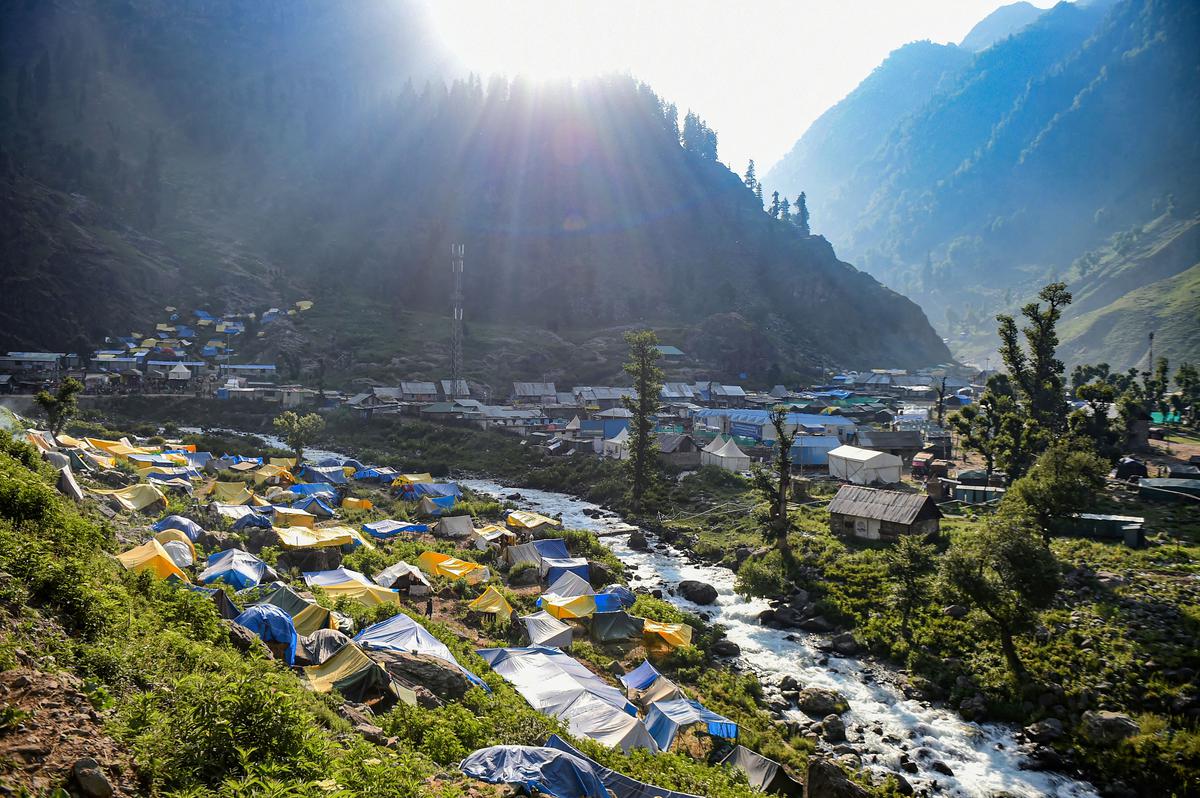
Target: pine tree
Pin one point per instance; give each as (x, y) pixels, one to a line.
(750, 180)
(774, 485)
(785, 210)
(758, 193)
(773, 211)
(691, 136)
(647, 381)
(802, 214)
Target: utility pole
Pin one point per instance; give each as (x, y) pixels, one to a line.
(456, 321)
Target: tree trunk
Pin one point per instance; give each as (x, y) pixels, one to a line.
(1015, 666)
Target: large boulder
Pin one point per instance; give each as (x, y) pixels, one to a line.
(1045, 731)
(245, 641)
(638, 542)
(524, 577)
(818, 702)
(441, 678)
(697, 592)
(826, 780)
(90, 779)
(726, 648)
(599, 574)
(1106, 728)
(833, 729)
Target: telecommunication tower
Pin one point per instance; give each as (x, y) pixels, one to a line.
(456, 321)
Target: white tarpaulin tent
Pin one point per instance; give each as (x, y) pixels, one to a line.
(543, 629)
(555, 684)
(179, 372)
(726, 455)
(617, 447)
(864, 466)
(570, 585)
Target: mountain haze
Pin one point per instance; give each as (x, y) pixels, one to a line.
(1000, 24)
(252, 154)
(1068, 145)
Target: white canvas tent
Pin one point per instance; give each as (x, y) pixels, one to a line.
(401, 576)
(179, 372)
(725, 455)
(864, 466)
(569, 586)
(455, 527)
(617, 447)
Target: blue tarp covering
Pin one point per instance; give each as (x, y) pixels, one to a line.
(273, 625)
(546, 770)
(388, 528)
(666, 718)
(152, 459)
(622, 594)
(619, 784)
(434, 490)
(175, 472)
(552, 548)
(314, 505)
(640, 677)
(402, 633)
(185, 525)
(312, 489)
(375, 473)
(443, 503)
(764, 417)
(556, 567)
(333, 475)
(238, 568)
(813, 450)
(250, 520)
(237, 458)
(607, 602)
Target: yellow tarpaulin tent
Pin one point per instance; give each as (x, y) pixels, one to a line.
(527, 520)
(352, 503)
(666, 635)
(116, 448)
(270, 471)
(437, 564)
(301, 538)
(244, 466)
(226, 492)
(304, 304)
(312, 618)
(491, 601)
(283, 462)
(296, 519)
(412, 479)
(371, 595)
(66, 440)
(350, 671)
(135, 497)
(151, 556)
(168, 535)
(569, 607)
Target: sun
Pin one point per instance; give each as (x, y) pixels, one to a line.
(538, 39)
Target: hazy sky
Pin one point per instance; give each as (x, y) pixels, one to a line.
(758, 72)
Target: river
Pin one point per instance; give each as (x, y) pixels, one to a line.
(983, 757)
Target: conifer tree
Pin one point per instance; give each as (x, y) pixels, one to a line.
(750, 180)
(647, 381)
(785, 210)
(802, 214)
(774, 209)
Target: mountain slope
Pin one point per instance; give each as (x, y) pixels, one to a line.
(334, 170)
(1000, 24)
(1080, 127)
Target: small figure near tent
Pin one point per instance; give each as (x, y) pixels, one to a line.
(429, 607)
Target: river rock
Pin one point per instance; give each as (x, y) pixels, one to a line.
(819, 702)
(726, 648)
(790, 682)
(938, 766)
(638, 542)
(766, 618)
(833, 729)
(91, 779)
(599, 574)
(845, 644)
(1105, 727)
(697, 592)
(816, 624)
(740, 555)
(826, 780)
(955, 611)
(1045, 731)
(799, 598)
(788, 618)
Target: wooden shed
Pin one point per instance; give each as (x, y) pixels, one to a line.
(874, 514)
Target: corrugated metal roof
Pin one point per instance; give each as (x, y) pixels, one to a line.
(534, 389)
(892, 506)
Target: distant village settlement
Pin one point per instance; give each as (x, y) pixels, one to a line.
(876, 429)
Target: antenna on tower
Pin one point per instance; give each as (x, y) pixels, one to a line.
(456, 320)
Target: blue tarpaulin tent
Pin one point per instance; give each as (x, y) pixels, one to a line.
(386, 529)
(556, 567)
(619, 784)
(333, 475)
(374, 474)
(547, 770)
(239, 568)
(415, 490)
(623, 595)
(313, 489)
(666, 718)
(640, 677)
(607, 602)
(313, 505)
(552, 548)
(402, 633)
(251, 520)
(273, 625)
(185, 525)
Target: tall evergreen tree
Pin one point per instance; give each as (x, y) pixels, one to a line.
(750, 179)
(774, 209)
(647, 381)
(785, 210)
(774, 485)
(802, 214)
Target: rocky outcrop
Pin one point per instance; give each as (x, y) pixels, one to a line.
(820, 702)
(243, 640)
(826, 780)
(303, 560)
(1105, 727)
(698, 592)
(437, 676)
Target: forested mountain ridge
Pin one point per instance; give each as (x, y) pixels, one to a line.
(1046, 151)
(325, 160)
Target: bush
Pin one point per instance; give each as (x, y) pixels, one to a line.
(762, 576)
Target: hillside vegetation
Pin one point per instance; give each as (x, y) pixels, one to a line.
(1003, 168)
(281, 151)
